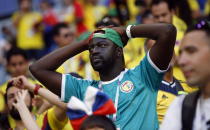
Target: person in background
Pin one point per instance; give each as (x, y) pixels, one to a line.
(192, 111)
(54, 118)
(29, 30)
(170, 86)
(163, 12)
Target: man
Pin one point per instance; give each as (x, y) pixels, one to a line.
(192, 111)
(170, 87)
(17, 64)
(163, 12)
(64, 35)
(54, 118)
(134, 91)
(29, 29)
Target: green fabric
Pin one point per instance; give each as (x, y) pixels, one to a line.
(84, 36)
(111, 35)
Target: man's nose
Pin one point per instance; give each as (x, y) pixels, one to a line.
(182, 60)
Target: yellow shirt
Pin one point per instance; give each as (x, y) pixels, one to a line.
(134, 52)
(195, 6)
(27, 38)
(46, 119)
(2, 102)
(79, 64)
(3, 88)
(166, 94)
(93, 14)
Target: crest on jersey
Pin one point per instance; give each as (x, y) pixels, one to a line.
(126, 87)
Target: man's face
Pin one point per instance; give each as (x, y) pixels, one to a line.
(25, 5)
(194, 58)
(65, 37)
(17, 65)
(161, 13)
(102, 53)
(10, 95)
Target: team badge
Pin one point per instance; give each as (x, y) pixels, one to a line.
(126, 87)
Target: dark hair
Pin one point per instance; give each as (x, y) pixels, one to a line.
(202, 25)
(146, 14)
(170, 4)
(97, 121)
(16, 51)
(107, 21)
(56, 29)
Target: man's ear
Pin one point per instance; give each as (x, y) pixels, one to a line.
(119, 51)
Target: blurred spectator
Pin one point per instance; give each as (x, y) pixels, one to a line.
(50, 19)
(191, 112)
(4, 46)
(29, 29)
(64, 35)
(53, 119)
(147, 17)
(200, 8)
(93, 13)
(163, 12)
(182, 10)
(17, 64)
(122, 11)
(72, 12)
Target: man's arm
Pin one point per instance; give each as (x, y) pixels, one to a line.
(44, 69)
(165, 36)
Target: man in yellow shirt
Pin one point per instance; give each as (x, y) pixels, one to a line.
(29, 29)
(64, 35)
(163, 13)
(17, 64)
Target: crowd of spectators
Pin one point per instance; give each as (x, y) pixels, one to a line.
(33, 33)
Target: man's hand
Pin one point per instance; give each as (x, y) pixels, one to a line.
(122, 32)
(22, 83)
(20, 99)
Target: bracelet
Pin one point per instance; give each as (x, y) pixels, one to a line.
(36, 89)
(128, 31)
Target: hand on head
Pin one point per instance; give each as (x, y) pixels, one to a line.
(21, 82)
(20, 99)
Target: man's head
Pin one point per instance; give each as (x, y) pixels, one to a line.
(162, 11)
(17, 62)
(194, 58)
(10, 94)
(106, 49)
(62, 34)
(147, 17)
(97, 122)
(25, 5)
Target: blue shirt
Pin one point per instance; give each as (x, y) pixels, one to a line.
(136, 109)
